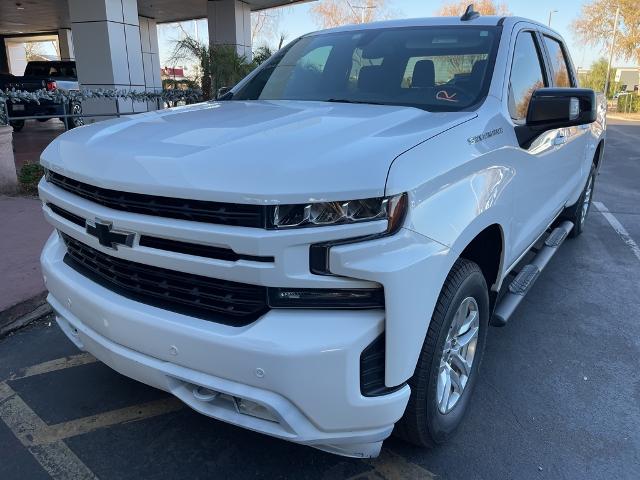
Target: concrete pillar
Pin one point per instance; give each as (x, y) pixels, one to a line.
(108, 51)
(8, 177)
(150, 57)
(65, 44)
(230, 24)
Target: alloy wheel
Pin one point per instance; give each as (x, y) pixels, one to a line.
(76, 109)
(458, 355)
(587, 200)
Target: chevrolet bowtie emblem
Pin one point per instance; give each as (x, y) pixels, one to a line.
(108, 237)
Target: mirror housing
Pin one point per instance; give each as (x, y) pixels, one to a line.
(551, 108)
(222, 91)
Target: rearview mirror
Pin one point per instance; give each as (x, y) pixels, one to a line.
(551, 108)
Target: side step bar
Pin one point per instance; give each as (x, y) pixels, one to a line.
(521, 285)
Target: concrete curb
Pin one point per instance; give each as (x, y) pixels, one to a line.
(22, 313)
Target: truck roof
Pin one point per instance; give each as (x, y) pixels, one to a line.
(490, 20)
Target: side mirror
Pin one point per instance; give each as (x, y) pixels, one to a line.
(551, 108)
(561, 107)
(222, 91)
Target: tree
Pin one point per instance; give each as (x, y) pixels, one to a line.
(265, 24)
(594, 26)
(220, 65)
(33, 51)
(483, 7)
(464, 63)
(262, 54)
(333, 13)
(596, 76)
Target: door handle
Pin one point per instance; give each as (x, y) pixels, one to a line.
(586, 126)
(560, 140)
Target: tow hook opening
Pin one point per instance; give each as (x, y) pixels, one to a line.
(240, 405)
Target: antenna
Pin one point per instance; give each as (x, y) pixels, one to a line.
(469, 14)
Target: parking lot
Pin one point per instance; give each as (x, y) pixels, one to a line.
(558, 397)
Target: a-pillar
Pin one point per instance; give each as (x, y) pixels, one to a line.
(109, 53)
(65, 44)
(230, 24)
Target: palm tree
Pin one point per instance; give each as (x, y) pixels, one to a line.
(220, 65)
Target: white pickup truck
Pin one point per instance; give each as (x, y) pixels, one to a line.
(319, 254)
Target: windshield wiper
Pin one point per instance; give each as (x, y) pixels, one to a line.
(346, 100)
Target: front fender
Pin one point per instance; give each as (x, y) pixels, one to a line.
(412, 269)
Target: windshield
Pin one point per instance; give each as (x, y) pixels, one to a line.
(434, 68)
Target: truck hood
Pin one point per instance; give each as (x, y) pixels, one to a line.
(249, 152)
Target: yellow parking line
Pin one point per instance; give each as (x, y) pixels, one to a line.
(53, 365)
(45, 442)
(394, 467)
(84, 425)
(391, 466)
(55, 457)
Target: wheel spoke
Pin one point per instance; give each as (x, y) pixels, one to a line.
(469, 322)
(470, 335)
(456, 381)
(444, 388)
(459, 361)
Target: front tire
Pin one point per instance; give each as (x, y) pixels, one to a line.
(447, 369)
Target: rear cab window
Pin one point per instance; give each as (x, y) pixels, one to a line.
(560, 66)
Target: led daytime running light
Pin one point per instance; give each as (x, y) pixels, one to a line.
(336, 213)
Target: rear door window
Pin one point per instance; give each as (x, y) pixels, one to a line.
(559, 64)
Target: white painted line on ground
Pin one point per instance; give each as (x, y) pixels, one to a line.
(53, 365)
(620, 230)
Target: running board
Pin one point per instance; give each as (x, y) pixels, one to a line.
(527, 276)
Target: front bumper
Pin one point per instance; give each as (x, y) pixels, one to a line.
(301, 365)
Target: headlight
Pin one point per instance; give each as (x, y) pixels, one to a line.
(339, 213)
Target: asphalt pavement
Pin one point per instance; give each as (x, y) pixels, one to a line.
(558, 396)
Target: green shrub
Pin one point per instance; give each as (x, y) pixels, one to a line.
(629, 103)
(29, 176)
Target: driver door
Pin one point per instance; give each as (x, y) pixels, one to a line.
(541, 173)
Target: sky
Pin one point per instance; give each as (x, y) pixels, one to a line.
(297, 20)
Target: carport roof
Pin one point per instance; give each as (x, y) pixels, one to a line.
(35, 16)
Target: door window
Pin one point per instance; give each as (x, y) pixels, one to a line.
(559, 64)
(526, 76)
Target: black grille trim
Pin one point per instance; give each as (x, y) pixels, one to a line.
(199, 250)
(72, 217)
(236, 214)
(372, 370)
(211, 299)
